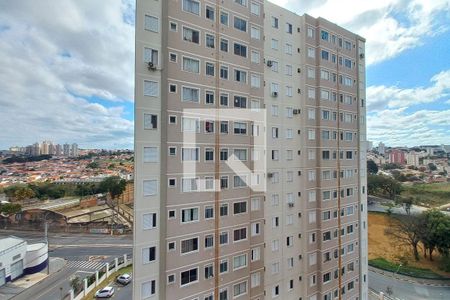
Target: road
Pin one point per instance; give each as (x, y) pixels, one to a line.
(84, 253)
(405, 290)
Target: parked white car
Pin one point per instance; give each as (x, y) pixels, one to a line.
(124, 279)
(105, 292)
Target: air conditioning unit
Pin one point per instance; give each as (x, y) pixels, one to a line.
(361, 56)
(296, 111)
(269, 175)
(291, 204)
(151, 66)
(275, 94)
(300, 257)
(269, 63)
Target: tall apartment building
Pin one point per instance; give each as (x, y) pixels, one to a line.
(206, 230)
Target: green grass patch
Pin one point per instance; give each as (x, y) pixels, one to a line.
(386, 265)
(434, 194)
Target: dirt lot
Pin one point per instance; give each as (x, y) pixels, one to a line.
(381, 245)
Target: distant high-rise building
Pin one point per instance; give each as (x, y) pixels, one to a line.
(66, 149)
(74, 150)
(381, 148)
(36, 149)
(58, 150)
(397, 156)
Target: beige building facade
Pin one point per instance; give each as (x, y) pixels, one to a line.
(250, 146)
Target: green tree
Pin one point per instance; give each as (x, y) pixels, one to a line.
(23, 193)
(392, 166)
(407, 230)
(76, 284)
(111, 166)
(435, 233)
(93, 165)
(432, 167)
(113, 185)
(372, 167)
(384, 185)
(8, 209)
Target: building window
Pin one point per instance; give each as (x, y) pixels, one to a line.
(189, 245)
(189, 276)
(209, 212)
(151, 88)
(240, 289)
(173, 57)
(191, 65)
(255, 254)
(173, 26)
(255, 8)
(209, 69)
(148, 289)
(223, 266)
(240, 50)
(151, 55)
(224, 45)
(190, 94)
(239, 207)
(274, 22)
(239, 181)
(240, 234)
(150, 154)
(151, 23)
(209, 154)
(209, 99)
(288, 28)
(224, 18)
(224, 72)
(192, 6)
(255, 33)
(190, 154)
(189, 185)
(189, 215)
(148, 221)
(223, 238)
(209, 13)
(148, 255)
(224, 101)
(191, 35)
(239, 261)
(240, 24)
(324, 35)
(224, 183)
(240, 102)
(209, 241)
(210, 41)
(255, 279)
(255, 57)
(150, 187)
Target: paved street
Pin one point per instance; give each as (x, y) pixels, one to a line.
(84, 254)
(406, 290)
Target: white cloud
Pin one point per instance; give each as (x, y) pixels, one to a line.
(390, 26)
(396, 117)
(381, 97)
(398, 127)
(55, 53)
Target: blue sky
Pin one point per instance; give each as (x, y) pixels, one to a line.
(69, 77)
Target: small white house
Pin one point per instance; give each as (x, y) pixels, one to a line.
(17, 258)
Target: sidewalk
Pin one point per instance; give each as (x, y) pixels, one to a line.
(14, 288)
(428, 282)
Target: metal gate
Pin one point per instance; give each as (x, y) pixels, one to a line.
(2, 277)
(16, 269)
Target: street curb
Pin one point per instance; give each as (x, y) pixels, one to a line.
(409, 279)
